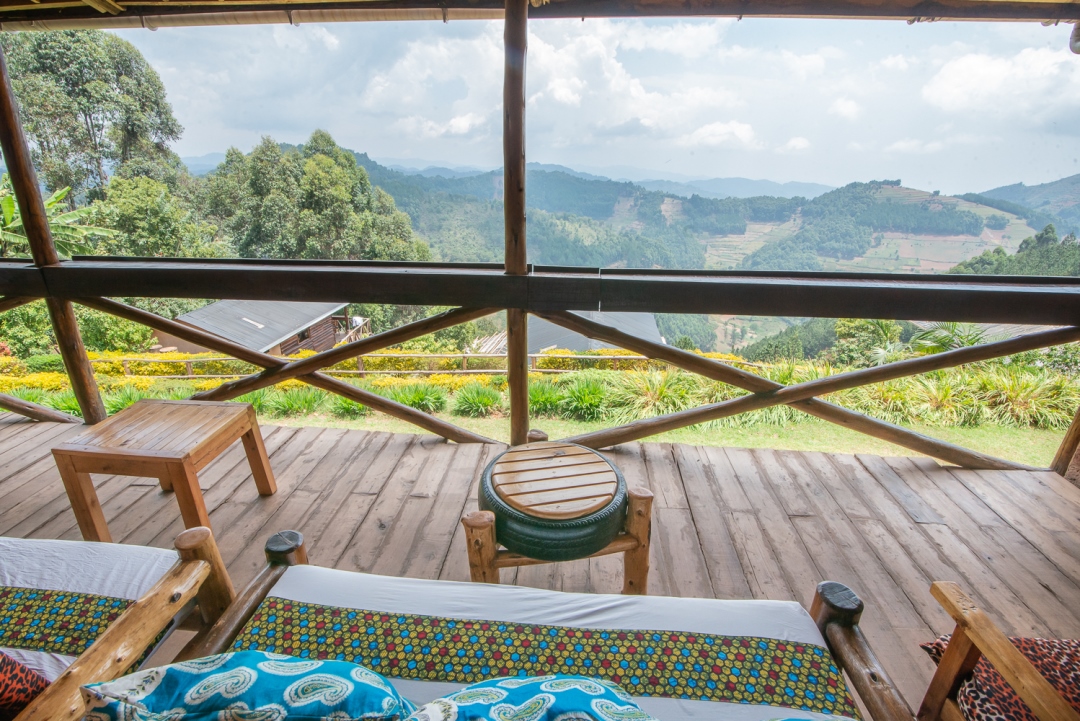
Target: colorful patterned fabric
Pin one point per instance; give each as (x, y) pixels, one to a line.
(249, 686)
(645, 663)
(55, 621)
(541, 698)
(986, 696)
(19, 686)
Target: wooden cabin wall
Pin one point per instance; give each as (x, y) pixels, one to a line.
(320, 337)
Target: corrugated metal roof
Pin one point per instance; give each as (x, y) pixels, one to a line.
(543, 334)
(258, 324)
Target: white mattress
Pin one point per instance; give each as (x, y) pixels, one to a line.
(770, 619)
(102, 569)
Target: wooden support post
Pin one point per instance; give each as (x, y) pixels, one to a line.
(11, 302)
(217, 592)
(639, 526)
(837, 610)
(36, 224)
(515, 41)
(480, 541)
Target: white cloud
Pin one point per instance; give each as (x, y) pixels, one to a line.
(803, 66)
(794, 145)
(914, 147)
(845, 108)
(301, 38)
(895, 62)
(1033, 83)
(729, 134)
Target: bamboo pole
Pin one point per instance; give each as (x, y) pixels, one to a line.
(12, 302)
(36, 223)
(264, 360)
(34, 411)
(821, 409)
(515, 41)
(270, 376)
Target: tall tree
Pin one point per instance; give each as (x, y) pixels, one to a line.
(89, 101)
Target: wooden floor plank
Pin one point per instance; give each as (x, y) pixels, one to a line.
(669, 489)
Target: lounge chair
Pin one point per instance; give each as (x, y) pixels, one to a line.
(78, 612)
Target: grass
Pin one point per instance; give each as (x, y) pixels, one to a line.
(1032, 446)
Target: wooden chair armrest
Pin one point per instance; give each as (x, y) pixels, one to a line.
(283, 549)
(836, 610)
(115, 650)
(975, 636)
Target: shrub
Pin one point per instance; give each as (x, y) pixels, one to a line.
(257, 398)
(44, 381)
(421, 396)
(947, 399)
(45, 364)
(295, 402)
(454, 382)
(477, 401)
(123, 397)
(343, 407)
(33, 395)
(584, 399)
(11, 366)
(545, 398)
(65, 401)
(1017, 397)
(644, 394)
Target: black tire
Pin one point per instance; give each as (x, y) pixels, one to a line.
(553, 540)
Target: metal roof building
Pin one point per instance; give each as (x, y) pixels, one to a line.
(263, 325)
(544, 335)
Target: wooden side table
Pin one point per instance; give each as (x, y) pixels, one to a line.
(550, 502)
(168, 440)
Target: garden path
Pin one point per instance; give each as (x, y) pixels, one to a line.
(728, 523)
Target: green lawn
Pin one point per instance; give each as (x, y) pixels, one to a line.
(1025, 445)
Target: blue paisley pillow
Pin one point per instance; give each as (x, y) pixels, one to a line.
(535, 698)
(247, 685)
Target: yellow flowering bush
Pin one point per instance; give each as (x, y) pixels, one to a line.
(141, 383)
(167, 364)
(455, 382)
(43, 381)
(11, 366)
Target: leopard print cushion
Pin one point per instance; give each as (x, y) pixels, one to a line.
(19, 686)
(987, 697)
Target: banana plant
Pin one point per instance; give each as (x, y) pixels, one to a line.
(69, 232)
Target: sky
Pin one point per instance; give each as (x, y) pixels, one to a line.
(956, 107)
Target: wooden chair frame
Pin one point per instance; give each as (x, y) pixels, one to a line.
(486, 558)
(198, 575)
(836, 611)
(976, 636)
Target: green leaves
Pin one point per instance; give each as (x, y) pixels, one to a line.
(70, 233)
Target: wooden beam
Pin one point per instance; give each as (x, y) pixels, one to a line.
(12, 302)
(263, 360)
(105, 6)
(748, 381)
(978, 299)
(1067, 450)
(515, 42)
(60, 14)
(39, 236)
(232, 389)
(34, 411)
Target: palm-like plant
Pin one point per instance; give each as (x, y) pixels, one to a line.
(941, 337)
(69, 233)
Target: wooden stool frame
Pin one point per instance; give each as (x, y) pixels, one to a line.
(177, 470)
(486, 558)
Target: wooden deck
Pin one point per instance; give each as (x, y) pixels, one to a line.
(728, 523)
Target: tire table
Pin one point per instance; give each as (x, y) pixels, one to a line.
(554, 501)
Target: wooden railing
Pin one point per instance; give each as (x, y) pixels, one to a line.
(548, 292)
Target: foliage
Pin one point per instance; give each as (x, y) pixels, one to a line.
(700, 329)
(311, 202)
(257, 398)
(123, 397)
(295, 402)
(11, 366)
(70, 234)
(89, 99)
(940, 337)
(1041, 254)
(857, 339)
(644, 394)
(44, 381)
(51, 363)
(584, 398)
(997, 222)
(477, 401)
(545, 399)
(343, 407)
(421, 396)
(1035, 218)
(65, 402)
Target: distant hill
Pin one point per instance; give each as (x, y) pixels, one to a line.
(736, 188)
(203, 164)
(1060, 198)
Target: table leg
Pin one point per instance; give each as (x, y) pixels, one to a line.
(189, 496)
(83, 499)
(257, 458)
(480, 541)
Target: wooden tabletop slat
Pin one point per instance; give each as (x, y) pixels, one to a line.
(554, 480)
